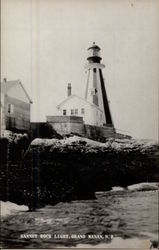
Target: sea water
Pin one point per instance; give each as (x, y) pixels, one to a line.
(115, 219)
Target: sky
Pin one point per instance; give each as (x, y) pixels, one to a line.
(44, 44)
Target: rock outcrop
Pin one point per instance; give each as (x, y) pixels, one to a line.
(54, 170)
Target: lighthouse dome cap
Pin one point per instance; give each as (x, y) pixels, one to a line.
(94, 46)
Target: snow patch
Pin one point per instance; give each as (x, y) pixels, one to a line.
(117, 189)
(12, 136)
(145, 186)
(43, 142)
(65, 141)
(9, 208)
(115, 144)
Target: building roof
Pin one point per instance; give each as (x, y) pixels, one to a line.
(76, 96)
(7, 85)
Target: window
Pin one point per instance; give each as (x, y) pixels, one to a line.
(82, 111)
(64, 111)
(74, 111)
(10, 108)
(94, 91)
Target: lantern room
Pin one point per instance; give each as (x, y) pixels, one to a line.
(94, 54)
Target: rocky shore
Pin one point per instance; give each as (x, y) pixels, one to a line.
(48, 171)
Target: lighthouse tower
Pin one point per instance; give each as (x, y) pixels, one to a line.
(95, 89)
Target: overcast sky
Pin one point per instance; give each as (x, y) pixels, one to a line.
(44, 44)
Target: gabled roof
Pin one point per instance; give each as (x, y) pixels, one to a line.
(6, 86)
(76, 96)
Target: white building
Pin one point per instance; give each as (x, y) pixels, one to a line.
(77, 106)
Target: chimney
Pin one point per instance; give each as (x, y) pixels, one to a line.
(4, 80)
(69, 89)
